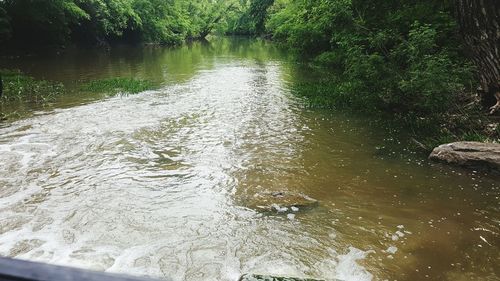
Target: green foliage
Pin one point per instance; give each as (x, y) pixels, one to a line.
(104, 21)
(398, 56)
(241, 25)
(401, 58)
(115, 86)
(11, 115)
(21, 88)
(258, 13)
(105, 18)
(161, 21)
(44, 21)
(310, 26)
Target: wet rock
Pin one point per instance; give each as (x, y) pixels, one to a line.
(254, 277)
(469, 154)
(281, 202)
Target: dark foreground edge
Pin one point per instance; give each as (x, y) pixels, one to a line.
(20, 270)
(256, 277)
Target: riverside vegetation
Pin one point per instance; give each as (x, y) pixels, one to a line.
(243, 161)
(22, 89)
(171, 173)
(404, 59)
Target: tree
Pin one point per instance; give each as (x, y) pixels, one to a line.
(33, 22)
(105, 19)
(258, 11)
(210, 14)
(480, 28)
(37, 21)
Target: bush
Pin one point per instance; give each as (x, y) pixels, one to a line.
(393, 56)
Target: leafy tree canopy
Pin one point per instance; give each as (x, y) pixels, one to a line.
(101, 21)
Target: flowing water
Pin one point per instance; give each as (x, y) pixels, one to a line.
(156, 183)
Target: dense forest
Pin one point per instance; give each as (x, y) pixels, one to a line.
(106, 21)
(405, 57)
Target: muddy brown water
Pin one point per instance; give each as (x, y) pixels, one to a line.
(155, 183)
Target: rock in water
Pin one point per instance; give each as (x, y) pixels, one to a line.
(469, 154)
(280, 202)
(253, 277)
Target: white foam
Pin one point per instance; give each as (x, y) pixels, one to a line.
(392, 249)
(279, 209)
(349, 270)
(88, 212)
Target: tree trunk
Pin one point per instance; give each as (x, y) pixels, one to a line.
(479, 22)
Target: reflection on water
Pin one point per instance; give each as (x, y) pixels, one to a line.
(152, 184)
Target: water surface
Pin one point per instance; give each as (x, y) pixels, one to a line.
(156, 183)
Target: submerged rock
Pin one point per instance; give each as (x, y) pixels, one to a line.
(469, 154)
(281, 202)
(254, 277)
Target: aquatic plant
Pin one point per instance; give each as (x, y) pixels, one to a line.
(19, 87)
(119, 85)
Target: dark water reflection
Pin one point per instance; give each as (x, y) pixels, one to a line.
(155, 183)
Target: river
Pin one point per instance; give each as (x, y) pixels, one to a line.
(155, 183)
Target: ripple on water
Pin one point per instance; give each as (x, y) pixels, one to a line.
(151, 184)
